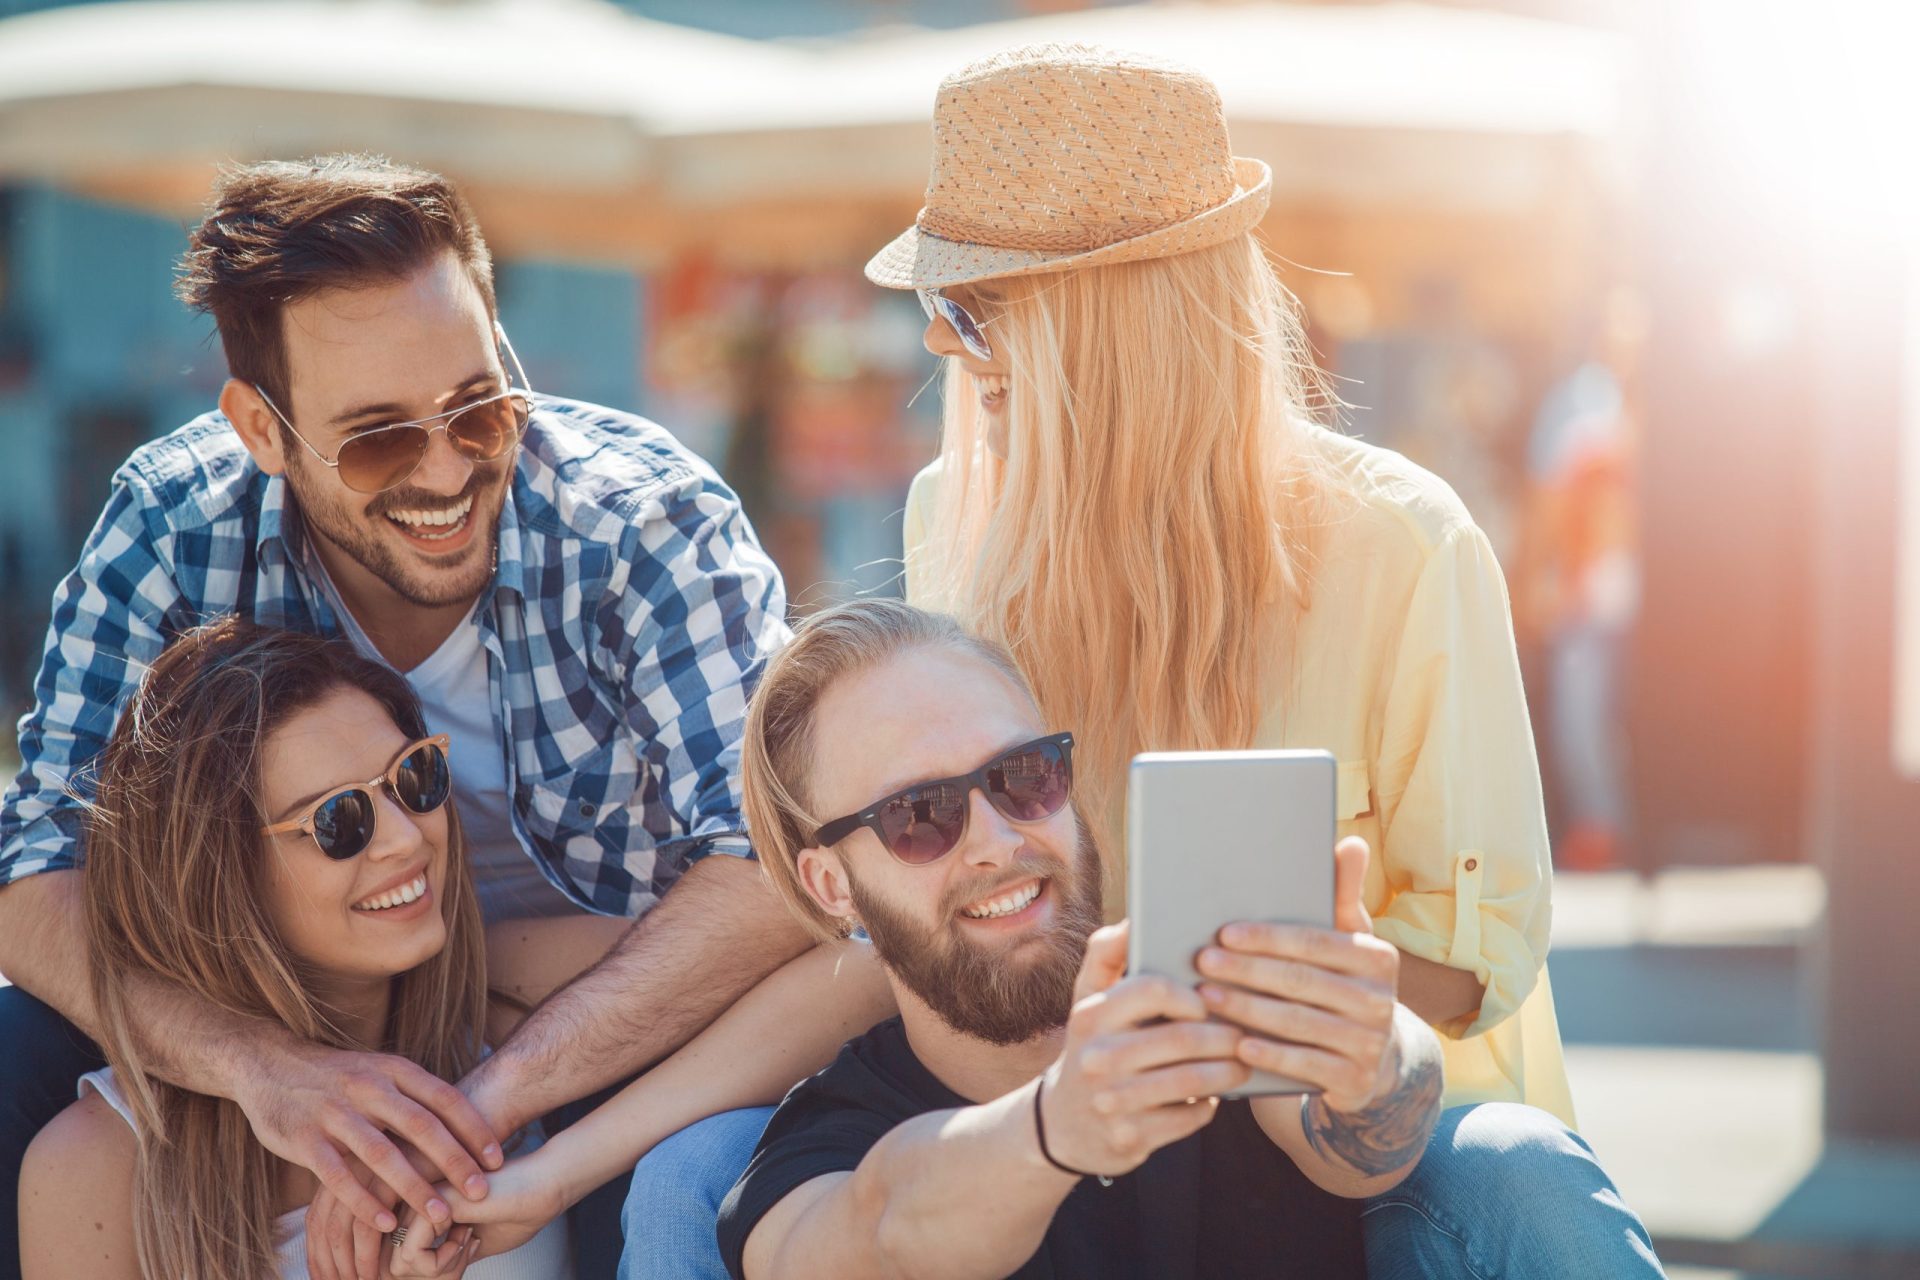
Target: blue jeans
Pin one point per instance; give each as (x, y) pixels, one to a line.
(1503, 1191)
(674, 1199)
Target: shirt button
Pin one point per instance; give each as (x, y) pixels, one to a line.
(1473, 864)
(586, 809)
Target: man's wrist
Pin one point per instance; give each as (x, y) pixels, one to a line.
(236, 1065)
(1040, 1138)
(490, 1088)
(1392, 1129)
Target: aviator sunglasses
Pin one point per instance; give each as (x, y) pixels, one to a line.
(383, 456)
(924, 822)
(342, 821)
(935, 303)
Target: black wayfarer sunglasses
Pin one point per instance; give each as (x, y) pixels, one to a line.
(922, 823)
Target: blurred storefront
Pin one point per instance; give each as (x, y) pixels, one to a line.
(1447, 188)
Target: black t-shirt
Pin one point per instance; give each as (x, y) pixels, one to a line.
(1224, 1202)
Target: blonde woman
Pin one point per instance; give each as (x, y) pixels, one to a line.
(1134, 496)
(271, 831)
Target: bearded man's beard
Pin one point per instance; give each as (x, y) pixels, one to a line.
(981, 991)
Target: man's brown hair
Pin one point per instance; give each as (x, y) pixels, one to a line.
(279, 231)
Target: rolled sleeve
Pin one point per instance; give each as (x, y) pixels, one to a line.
(702, 612)
(108, 624)
(1463, 828)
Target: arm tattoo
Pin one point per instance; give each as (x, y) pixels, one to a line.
(1391, 1132)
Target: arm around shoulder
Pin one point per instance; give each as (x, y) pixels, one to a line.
(45, 952)
(108, 624)
(76, 1197)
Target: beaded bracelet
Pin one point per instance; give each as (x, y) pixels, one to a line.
(1040, 1128)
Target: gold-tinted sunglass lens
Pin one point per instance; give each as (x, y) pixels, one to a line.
(488, 430)
(380, 460)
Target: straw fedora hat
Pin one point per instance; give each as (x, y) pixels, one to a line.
(1053, 156)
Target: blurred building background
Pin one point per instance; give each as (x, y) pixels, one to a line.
(1638, 277)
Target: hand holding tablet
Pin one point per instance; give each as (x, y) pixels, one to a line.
(1233, 888)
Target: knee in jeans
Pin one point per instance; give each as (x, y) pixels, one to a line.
(671, 1172)
(696, 1167)
(1507, 1147)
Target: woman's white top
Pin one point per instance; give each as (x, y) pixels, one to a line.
(548, 1256)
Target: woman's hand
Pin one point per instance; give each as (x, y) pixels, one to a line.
(522, 1197)
(419, 1257)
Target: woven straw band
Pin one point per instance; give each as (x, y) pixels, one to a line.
(1058, 156)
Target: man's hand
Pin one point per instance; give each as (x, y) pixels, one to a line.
(1128, 1084)
(1319, 1005)
(1318, 1002)
(331, 1111)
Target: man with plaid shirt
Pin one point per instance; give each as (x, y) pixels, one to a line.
(578, 600)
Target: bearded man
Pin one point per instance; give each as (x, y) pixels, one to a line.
(1033, 1111)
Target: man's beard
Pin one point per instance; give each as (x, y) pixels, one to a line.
(424, 587)
(982, 991)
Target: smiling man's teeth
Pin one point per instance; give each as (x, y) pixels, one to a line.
(408, 892)
(1004, 905)
(445, 522)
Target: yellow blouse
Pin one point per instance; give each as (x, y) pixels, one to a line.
(1404, 668)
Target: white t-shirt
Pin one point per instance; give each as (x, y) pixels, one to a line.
(457, 700)
(548, 1256)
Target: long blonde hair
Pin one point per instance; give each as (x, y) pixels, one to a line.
(1144, 541)
(174, 889)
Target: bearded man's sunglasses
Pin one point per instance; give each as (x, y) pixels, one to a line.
(342, 821)
(384, 456)
(924, 823)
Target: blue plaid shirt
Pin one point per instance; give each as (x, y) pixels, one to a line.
(631, 612)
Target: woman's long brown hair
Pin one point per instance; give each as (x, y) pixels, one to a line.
(174, 889)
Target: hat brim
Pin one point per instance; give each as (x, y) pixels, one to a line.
(918, 260)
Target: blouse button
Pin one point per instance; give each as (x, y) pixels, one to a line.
(1473, 864)
(586, 809)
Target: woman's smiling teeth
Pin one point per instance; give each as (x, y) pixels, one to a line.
(1006, 904)
(408, 892)
(993, 388)
(432, 525)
